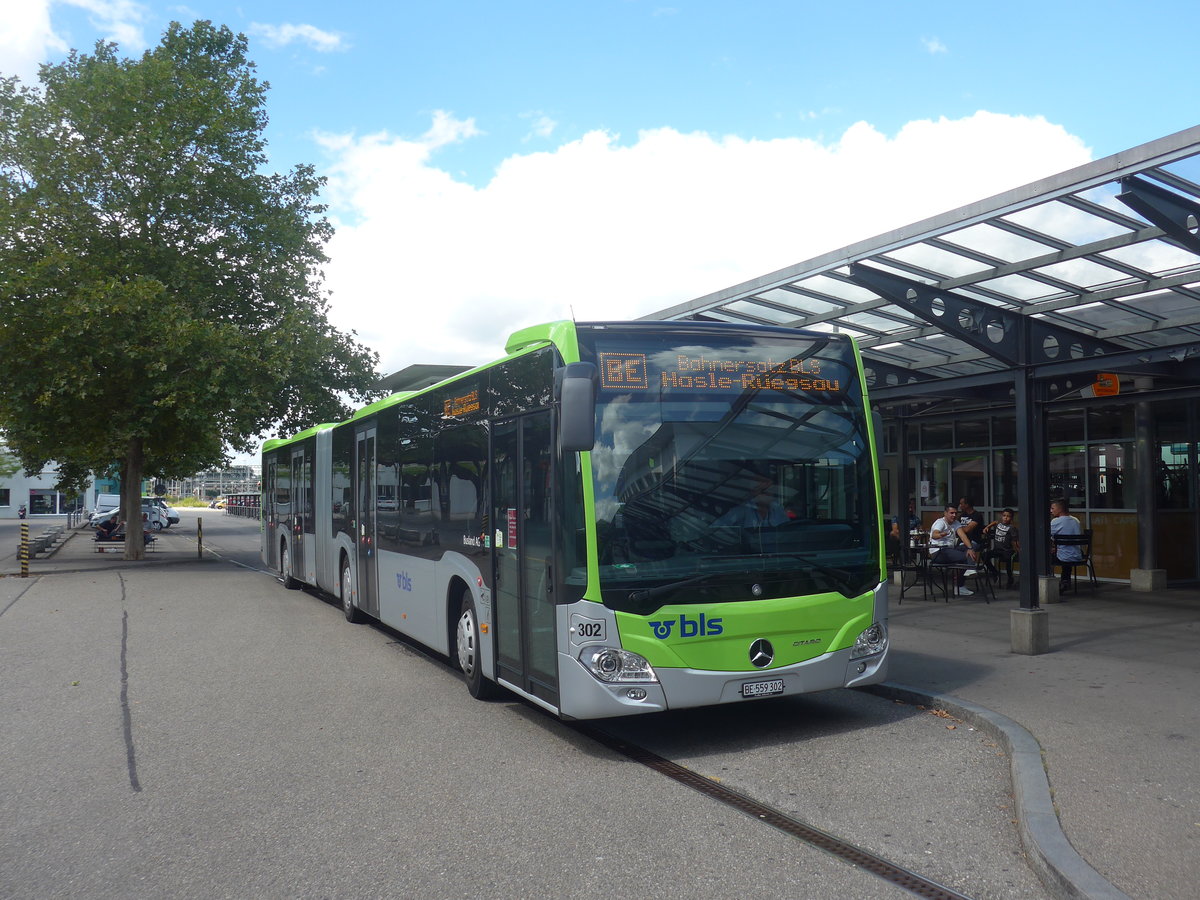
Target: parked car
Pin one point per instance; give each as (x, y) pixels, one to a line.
(156, 519)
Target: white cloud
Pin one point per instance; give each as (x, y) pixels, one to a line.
(543, 126)
(448, 130)
(934, 46)
(430, 269)
(28, 36)
(26, 39)
(117, 20)
(282, 35)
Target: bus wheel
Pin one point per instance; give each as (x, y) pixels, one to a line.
(285, 568)
(346, 590)
(467, 645)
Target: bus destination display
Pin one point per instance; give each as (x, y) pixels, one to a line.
(631, 371)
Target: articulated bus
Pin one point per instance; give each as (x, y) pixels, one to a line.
(614, 518)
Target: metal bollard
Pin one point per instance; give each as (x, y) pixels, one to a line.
(23, 553)
(199, 538)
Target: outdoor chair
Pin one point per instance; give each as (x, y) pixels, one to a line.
(994, 563)
(980, 583)
(1084, 543)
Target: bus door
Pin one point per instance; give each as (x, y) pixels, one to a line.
(523, 547)
(364, 537)
(270, 536)
(300, 513)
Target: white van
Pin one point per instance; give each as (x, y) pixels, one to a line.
(108, 504)
(168, 511)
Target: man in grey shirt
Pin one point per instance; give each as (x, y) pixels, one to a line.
(1062, 523)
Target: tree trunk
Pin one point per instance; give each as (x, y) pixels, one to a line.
(131, 499)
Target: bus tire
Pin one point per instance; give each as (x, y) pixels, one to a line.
(346, 594)
(285, 568)
(466, 641)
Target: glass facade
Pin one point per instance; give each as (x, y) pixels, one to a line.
(1092, 464)
(46, 502)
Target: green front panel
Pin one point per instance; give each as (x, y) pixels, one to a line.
(717, 637)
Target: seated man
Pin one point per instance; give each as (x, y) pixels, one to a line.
(1068, 555)
(948, 546)
(1005, 544)
(757, 511)
(898, 535)
(891, 543)
(109, 529)
(970, 524)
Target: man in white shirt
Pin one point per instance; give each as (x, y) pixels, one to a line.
(949, 546)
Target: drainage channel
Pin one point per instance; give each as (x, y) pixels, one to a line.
(888, 871)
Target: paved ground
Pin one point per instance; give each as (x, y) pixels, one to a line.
(226, 783)
(1114, 706)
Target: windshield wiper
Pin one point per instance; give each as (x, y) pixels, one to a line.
(645, 601)
(841, 577)
(646, 594)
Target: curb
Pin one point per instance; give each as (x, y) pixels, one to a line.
(1058, 865)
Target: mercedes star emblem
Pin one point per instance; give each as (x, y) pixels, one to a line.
(762, 654)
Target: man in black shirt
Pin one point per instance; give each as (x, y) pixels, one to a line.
(971, 524)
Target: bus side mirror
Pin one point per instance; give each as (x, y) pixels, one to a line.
(577, 411)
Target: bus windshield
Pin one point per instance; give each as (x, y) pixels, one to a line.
(730, 465)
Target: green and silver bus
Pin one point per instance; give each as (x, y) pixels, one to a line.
(614, 518)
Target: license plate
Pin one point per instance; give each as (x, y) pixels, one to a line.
(762, 688)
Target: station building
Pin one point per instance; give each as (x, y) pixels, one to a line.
(36, 493)
(1038, 344)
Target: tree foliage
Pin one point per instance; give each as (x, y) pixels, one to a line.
(160, 296)
(9, 465)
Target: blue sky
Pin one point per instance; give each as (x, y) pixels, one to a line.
(537, 73)
(496, 163)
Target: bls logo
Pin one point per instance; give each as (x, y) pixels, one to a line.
(403, 581)
(688, 628)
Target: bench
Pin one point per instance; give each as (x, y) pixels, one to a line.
(101, 546)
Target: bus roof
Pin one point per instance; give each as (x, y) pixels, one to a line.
(561, 333)
(276, 443)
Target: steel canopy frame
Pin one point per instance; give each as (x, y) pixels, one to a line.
(1094, 269)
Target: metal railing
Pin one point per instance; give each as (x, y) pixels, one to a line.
(247, 506)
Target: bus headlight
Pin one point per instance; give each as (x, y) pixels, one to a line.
(873, 640)
(614, 666)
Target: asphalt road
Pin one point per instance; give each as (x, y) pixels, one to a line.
(195, 730)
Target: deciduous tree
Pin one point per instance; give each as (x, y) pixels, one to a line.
(161, 294)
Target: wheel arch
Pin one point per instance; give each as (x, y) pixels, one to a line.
(456, 589)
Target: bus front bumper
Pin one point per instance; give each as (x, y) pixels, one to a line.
(584, 697)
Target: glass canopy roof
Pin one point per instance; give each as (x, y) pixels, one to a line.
(1109, 251)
